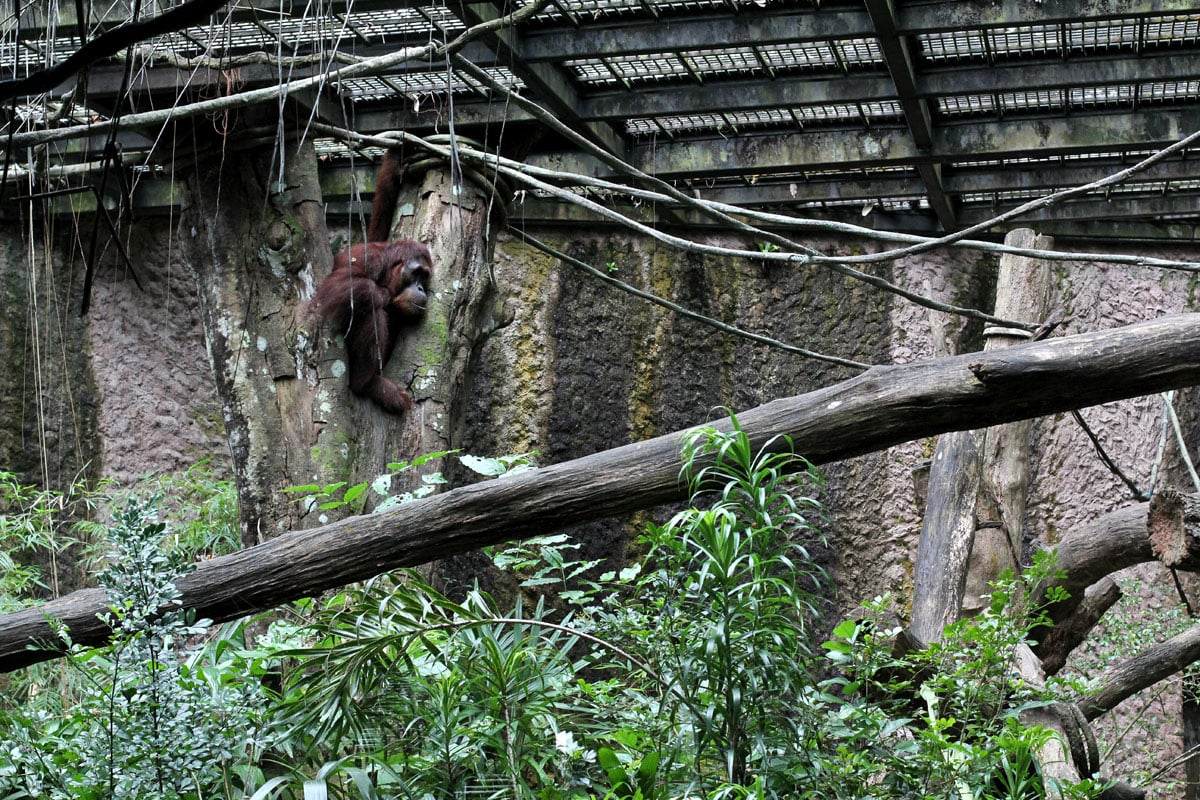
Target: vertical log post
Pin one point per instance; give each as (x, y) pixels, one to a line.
(946, 535)
(1022, 287)
(957, 558)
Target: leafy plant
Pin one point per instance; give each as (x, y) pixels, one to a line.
(202, 509)
(148, 721)
(36, 520)
(944, 721)
(355, 497)
(692, 674)
(439, 695)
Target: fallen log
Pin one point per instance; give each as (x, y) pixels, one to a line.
(883, 406)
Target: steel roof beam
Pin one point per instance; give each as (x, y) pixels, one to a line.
(799, 90)
(790, 26)
(1036, 178)
(1048, 177)
(1122, 207)
(954, 14)
(896, 55)
(788, 91)
(552, 87)
(783, 92)
(1169, 232)
(1100, 133)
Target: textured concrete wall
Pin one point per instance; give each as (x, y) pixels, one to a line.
(583, 367)
(158, 407)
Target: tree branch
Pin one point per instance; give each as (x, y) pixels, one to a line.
(1145, 669)
(193, 12)
(882, 407)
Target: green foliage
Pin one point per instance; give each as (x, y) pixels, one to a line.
(147, 722)
(631, 779)
(354, 498)
(694, 674)
(732, 593)
(32, 520)
(944, 721)
(436, 695)
(202, 509)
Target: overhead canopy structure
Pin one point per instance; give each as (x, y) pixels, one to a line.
(925, 116)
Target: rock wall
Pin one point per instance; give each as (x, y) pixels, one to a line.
(158, 408)
(584, 367)
(47, 418)
(121, 392)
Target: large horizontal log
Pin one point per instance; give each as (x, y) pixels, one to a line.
(879, 408)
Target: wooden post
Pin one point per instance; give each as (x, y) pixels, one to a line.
(1021, 291)
(978, 474)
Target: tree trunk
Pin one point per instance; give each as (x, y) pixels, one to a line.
(978, 471)
(946, 535)
(452, 219)
(1021, 290)
(258, 248)
(882, 407)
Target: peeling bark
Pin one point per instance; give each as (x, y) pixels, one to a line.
(258, 241)
(1174, 528)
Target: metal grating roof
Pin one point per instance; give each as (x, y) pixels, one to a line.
(919, 113)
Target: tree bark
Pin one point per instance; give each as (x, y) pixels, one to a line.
(1165, 529)
(259, 246)
(1145, 669)
(882, 407)
(1061, 640)
(947, 531)
(979, 472)
(1021, 291)
(1086, 554)
(1174, 528)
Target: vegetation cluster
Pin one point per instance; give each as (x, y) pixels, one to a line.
(698, 673)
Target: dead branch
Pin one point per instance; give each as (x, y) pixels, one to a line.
(1145, 669)
(879, 408)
